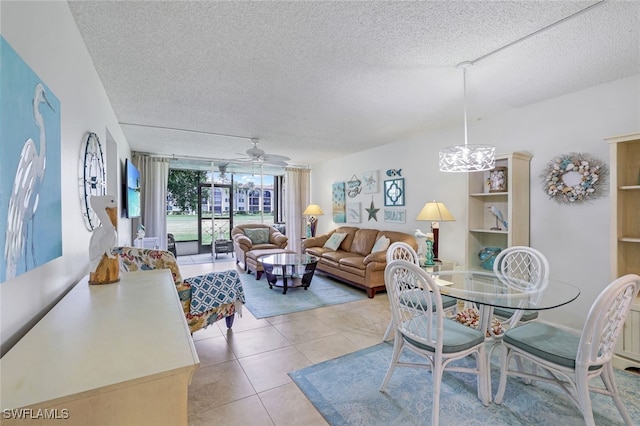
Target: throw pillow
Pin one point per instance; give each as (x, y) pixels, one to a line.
(258, 235)
(335, 240)
(381, 245)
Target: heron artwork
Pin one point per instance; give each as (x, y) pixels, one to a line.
(25, 195)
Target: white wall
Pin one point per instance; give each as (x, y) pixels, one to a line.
(575, 238)
(46, 38)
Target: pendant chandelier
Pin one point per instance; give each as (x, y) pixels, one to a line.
(476, 158)
(467, 158)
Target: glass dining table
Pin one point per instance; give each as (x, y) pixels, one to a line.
(488, 290)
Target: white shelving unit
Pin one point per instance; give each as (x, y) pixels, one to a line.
(514, 205)
(624, 152)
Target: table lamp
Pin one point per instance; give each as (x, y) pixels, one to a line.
(312, 211)
(434, 212)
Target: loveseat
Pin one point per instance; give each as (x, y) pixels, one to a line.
(255, 236)
(353, 261)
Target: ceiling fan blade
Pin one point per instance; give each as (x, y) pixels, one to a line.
(276, 163)
(274, 157)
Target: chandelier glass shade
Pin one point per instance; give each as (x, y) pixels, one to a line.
(467, 158)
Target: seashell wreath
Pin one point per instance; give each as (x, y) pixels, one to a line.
(589, 176)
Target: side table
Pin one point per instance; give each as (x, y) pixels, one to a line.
(223, 246)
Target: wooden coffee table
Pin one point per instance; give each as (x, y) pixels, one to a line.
(289, 267)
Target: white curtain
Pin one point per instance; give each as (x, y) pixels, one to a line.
(297, 189)
(154, 176)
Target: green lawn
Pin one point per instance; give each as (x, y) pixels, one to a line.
(185, 227)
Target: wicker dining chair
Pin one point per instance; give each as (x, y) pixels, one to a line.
(571, 361)
(424, 329)
(401, 250)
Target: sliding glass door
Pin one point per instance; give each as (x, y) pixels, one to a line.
(203, 207)
(205, 216)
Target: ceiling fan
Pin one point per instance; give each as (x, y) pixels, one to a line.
(257, 155)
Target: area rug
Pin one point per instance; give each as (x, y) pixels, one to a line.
(196, 259)
(264, 302)
(345, 391)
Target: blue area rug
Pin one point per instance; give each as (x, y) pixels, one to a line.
(345, 391)
(264, 302)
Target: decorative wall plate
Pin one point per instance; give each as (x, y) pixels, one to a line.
(92, 177)
(574, 177)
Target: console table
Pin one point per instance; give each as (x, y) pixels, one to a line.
(105, 354)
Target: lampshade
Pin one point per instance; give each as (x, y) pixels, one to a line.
(467, 158)
(435, 211)
(312, 210)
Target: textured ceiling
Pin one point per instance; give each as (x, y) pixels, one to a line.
(318, 80)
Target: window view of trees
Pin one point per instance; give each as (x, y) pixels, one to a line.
(183, 190)
(241, 194)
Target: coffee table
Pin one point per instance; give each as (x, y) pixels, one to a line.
(289, 266)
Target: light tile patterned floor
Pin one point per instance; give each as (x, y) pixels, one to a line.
(243, 378)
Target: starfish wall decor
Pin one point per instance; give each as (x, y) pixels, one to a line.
(373, 212)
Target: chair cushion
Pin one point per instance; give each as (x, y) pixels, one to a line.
(456, 337)
(258, 235)
(214, 289)
(258, 253)
(448, 302)
(415, 297)
(334, 241)
(507, 313)
(546, 342)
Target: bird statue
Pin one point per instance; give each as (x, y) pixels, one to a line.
(499, 219)
(25, 195)
(103, 263)
(421, 239)
(140, 234)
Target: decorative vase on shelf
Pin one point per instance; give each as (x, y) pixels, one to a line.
(487, 256)
(498, 179)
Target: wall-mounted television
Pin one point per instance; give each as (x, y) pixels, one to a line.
(131, 190)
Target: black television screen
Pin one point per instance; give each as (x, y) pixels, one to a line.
(132, 190)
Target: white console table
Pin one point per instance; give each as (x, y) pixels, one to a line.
(117, 354)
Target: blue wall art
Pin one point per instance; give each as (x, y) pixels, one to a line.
(339, 203)
(30, 191)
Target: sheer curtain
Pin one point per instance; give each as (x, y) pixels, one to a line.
(154, 176)
(297, 190)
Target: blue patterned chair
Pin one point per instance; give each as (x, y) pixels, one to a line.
(205, 299)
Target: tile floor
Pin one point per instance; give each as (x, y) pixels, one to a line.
(242, 379)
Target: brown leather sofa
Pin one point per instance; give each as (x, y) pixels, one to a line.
(353, 262)
(243, 244)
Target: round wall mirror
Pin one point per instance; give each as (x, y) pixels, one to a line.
(92, 177)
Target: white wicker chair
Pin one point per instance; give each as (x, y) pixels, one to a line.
(404, 251)
(571, 361)
(524, 269)
(423, 328)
